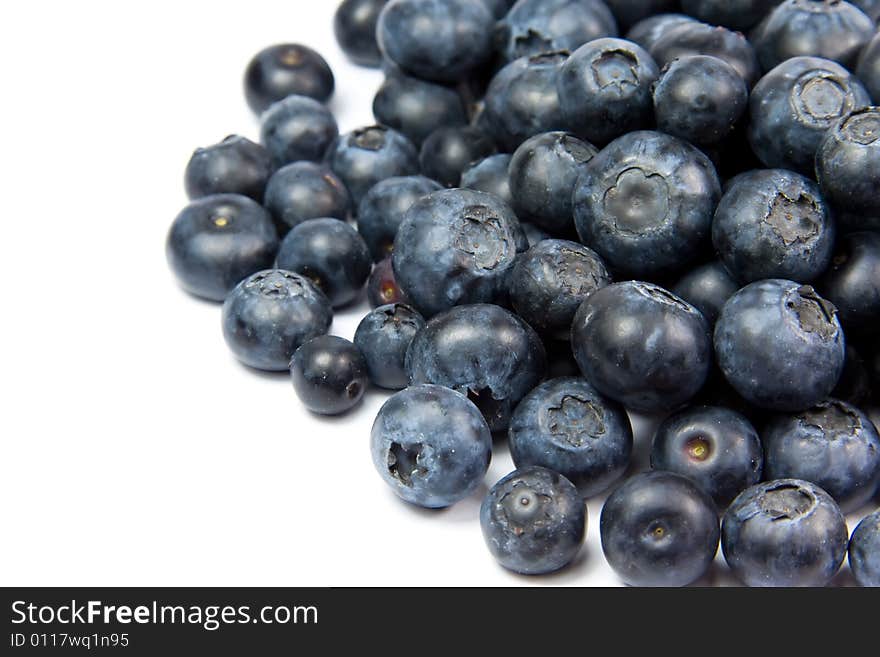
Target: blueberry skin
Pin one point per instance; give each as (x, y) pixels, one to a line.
(551, 280)
(773, 224)
(700, 99)
(431, 446)
(566, 425)
(382, 288)
(629, 12)
(286, 70)
(532, 27)
(677, 189)
(416, 108)
(534, 235)
(302, 191)
(370, 155)
(870, 7)
(216, 241)
(780, 345)
(498, 7)
(439, 40)
(642, 346)
(868, 69)
(455, 247)
(522, 100)
(354, 25)
(483, 351)
(649, 31)
(716, 448)
(864, 551)
(659, 529)
(707, 288)
(297, 128)
(332, 254)
(825, 28)
(329, 375)
(490, 175)
(543, 173)
(384, 336)
(734, 14)
(234, 166)
(852, 283)
(833, 444)
(268, 316)
(534, 521)
(795, 104)
(605, 89)
(784, 533)
(447, 152)
(847, 162)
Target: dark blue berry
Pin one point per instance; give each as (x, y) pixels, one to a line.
(447, 152)
(297, 128)
(305, 190)
(490, 175)
(734, 14)
(234, 166)
(383, 337)
(416, 108)
(329, 375)
(382, 288)
(864, 551)
(649, 31)
(285, 70)
(707, 288)
(847, 162)
(354, 25)
(852, 283)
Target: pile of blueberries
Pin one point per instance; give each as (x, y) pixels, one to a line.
(556, 227)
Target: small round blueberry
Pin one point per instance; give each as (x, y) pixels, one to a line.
(297, 128)
(329, 375)
(864, 551)
(383, 337)
(284, 70)
(234, 166)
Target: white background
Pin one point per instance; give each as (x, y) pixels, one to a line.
(136, 450)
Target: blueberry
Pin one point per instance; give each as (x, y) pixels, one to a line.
(367, 156)
(382, 288)
(482, 351)
(773, 224)
(383, 337)
(864, 551)
(490, 175)
(551, 280)
(784, 533)
(305, 190)
(269, 315)
(354, 25)
(441, 40)
(447, 152)
(649, 31)
(716, 448)
(699, 98)
(659, 529)
(734, 14)
(795, 104)
(454, 247)
(330, 253)
(642, 346)
(234, 166)
(833, 444)
(822, 28)
(532, 27)
(416, 108)
(297, 128)
(285, 70)
(645, 203)
(216, 241)
(852, 283)
(707, 288)
(329, 375)
(431, 446)
(848, 160)
(868, 69)
(543, 173)
(566, 425)
(534, 521)
(780, 345)
(605, 89)
(630, 12)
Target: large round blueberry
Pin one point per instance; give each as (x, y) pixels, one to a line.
(234, 166)
(848, 160)
(795, 104)
(773, 224)
(852, 283)
(382, 288)
(329, 375)
(784, 533)
(439, 40)
(864, 551)
(659, 529)
(551, 280)
(868, 69)
(484, 352)
(354, 25)
(780, 345)
(716, 448)
(605, 89)
(642, 346)
(566, 425)
(416, 108)
(534, 521)
(217, 241)
(447, 152)
(645, 203)
(734, 14)
(268, 316)
(649, 31)
(431, 446)
(832, 444)
(305, 190)
(297, 128)
(630, 12)
(490, 175)
(455, 246)
(384, 336)
(330, 253)
(707, 288)
(285, 70)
